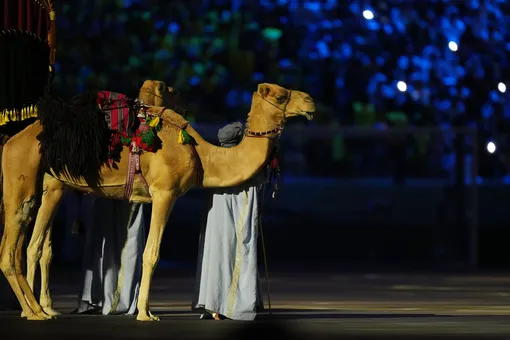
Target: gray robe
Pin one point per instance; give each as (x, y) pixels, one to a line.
(113, 258)
(227, 275)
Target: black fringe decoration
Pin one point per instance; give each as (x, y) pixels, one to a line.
(75, 137)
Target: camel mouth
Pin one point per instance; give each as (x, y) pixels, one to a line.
(307, 114)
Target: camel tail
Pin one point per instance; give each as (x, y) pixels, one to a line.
(75, 137)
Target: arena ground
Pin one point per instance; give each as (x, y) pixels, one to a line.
(304, 306)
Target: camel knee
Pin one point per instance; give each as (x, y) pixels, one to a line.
(7, 267)
(27, 206)
(25, 211)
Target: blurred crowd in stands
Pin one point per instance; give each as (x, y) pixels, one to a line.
(367, 63)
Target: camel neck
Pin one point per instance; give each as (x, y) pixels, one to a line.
(228, 167)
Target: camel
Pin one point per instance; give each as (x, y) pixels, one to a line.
(153, 93)
(176, 167)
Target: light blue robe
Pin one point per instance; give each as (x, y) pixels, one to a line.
(227, 271)
(113, 258)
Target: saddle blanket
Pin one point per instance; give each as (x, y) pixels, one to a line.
(129, 127)
(118, 109)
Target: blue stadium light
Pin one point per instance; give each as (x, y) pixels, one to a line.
(502, 87)
(452, 45)
(368, 14)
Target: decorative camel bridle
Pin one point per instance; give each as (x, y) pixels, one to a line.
(247, 131)
(278, 130)
(273, 135)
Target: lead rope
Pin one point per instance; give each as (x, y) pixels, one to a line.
(264, 255)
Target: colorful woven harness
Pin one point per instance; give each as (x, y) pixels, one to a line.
(134, 155)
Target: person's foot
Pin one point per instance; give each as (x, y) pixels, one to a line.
(218, 316)
(208, 315)
(87, 308)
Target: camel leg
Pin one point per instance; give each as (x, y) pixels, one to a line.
(17, 220)
(162, 205)
(45, 264)
(39, 250)
(20, 168)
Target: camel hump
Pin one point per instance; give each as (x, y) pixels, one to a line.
(169, 116)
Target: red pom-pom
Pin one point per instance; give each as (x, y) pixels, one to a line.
(137, 140)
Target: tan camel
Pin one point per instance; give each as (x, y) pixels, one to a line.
(153, 93)
(169, 172)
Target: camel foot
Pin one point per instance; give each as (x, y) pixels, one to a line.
(146, 316)
(50, 311)
(39, 317)
(23, 315)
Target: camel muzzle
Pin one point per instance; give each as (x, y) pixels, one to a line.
(308, 114)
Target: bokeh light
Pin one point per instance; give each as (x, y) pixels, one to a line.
(452, 45)
(491, 147)
(367, 14)
(401, 86)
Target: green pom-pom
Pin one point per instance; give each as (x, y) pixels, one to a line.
(148, 138)
(125, 140)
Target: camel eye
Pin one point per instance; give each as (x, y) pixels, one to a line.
(281, 99)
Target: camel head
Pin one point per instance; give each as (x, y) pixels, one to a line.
(290, 103)
(155, 93)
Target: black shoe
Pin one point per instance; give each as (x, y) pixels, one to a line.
(206, 316)
(87, 308)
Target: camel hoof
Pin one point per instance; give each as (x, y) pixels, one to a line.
(46, 316)
(147, 317)
(35, 317)
(50, 311)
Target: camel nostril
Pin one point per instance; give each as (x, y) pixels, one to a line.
(308, 99)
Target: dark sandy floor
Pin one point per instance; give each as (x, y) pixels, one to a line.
(306, 306)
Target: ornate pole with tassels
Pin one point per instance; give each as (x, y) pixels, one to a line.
(28, 33)
(52, 35)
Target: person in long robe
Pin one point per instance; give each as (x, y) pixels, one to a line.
(227, 274)
(113, 258)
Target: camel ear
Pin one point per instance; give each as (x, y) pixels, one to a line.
(147, 84)
(159, 88)
(264, 90)
(145, 90)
